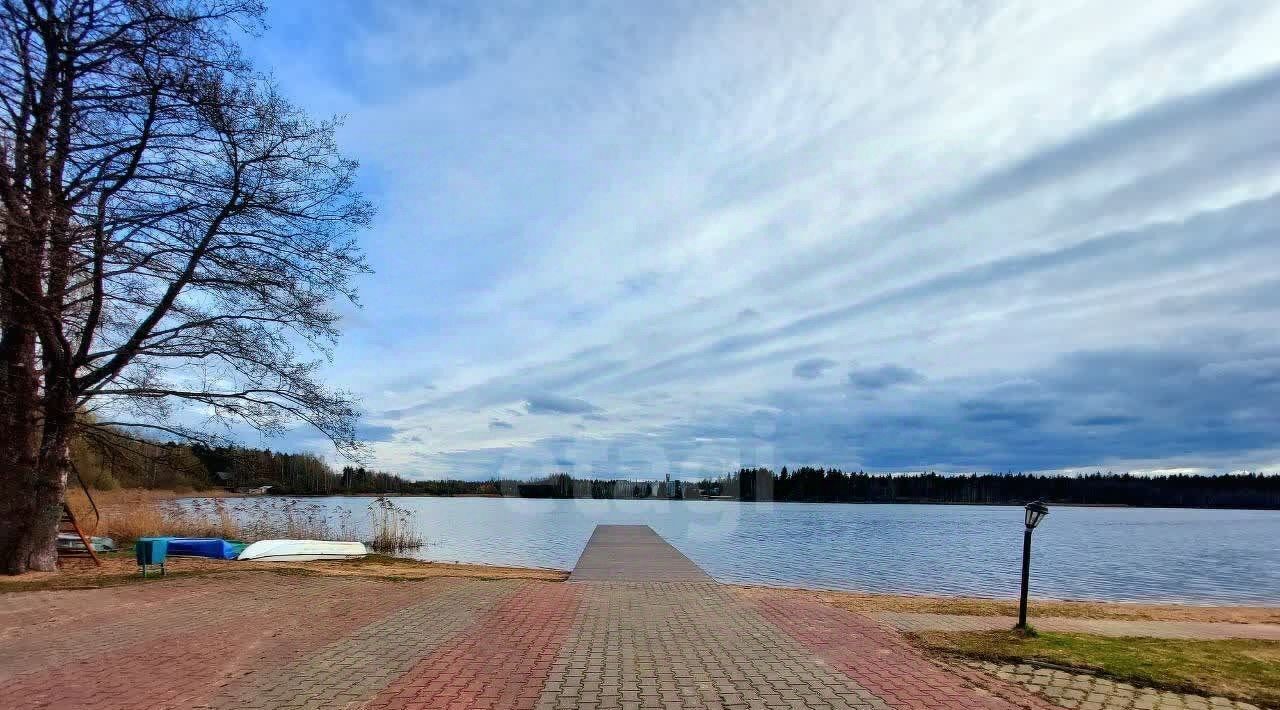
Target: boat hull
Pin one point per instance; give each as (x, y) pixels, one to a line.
(302, 550)
(70, 542)
(212, 547)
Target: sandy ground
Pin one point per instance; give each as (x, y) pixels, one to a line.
(1042, 607)
(120, 568)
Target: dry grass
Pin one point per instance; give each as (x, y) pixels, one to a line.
(1245, 669)
(128, 514)
(268, 518)
(1064, 609)
(865, 603)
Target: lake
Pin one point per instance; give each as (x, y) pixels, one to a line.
(1120, 554)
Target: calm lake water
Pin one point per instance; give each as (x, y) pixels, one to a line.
(1131, 554)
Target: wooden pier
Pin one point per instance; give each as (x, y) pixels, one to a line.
(633, 553)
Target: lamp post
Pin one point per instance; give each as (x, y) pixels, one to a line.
(1035, 513)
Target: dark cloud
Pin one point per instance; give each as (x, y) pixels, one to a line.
(1188, 407)
(555, 404)
(878, 378)
(1105, 420)
(998, 412)
(499, 424)
(812, 369)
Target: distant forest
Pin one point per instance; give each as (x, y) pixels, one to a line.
(175, 466)
(831, 485)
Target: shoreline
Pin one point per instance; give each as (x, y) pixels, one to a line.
(1033, 599)
(862, 602)
(120, 568)
(225, 494)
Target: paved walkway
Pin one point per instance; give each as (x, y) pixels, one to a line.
(1204, 630)
(1087, 692)
(263, 640)
(260, 640)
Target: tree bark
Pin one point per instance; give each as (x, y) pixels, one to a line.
(21, 521)
(31, 505)
(35, 454)
(50, 492)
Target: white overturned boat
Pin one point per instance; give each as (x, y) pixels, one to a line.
(302, 550)
(71, 542)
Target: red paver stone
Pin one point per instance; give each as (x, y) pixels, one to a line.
(879, 659)
(269, 642)
(356, 667)
(175, 653)
(500, 662)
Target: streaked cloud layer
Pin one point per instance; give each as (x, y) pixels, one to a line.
(633, 238)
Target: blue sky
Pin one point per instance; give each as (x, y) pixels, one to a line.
(630, 238)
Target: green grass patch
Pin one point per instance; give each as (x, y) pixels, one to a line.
(1244, 669)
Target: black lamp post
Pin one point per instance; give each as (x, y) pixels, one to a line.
(1035, 513)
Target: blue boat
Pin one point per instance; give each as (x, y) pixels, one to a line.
(213, 547)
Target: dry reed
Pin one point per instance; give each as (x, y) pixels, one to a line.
(129, 514)
(393, 528)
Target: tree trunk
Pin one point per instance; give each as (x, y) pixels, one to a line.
(51, 473)
(29, 499)
(24, 525)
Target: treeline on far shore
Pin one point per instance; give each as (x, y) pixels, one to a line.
(831, 485)
(183, 467)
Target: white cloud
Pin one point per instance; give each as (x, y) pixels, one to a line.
(583, 205)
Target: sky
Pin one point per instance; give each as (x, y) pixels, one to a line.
(629, 239)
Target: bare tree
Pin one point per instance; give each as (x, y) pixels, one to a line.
(175, 236)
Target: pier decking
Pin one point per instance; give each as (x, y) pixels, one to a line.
(633, 553)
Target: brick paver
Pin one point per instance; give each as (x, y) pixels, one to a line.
(911, 622)
(351, 670)
(688, 645)
(1087, 692)
(181, 641)
(500, 662)
(265, 640)
(879, 658)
